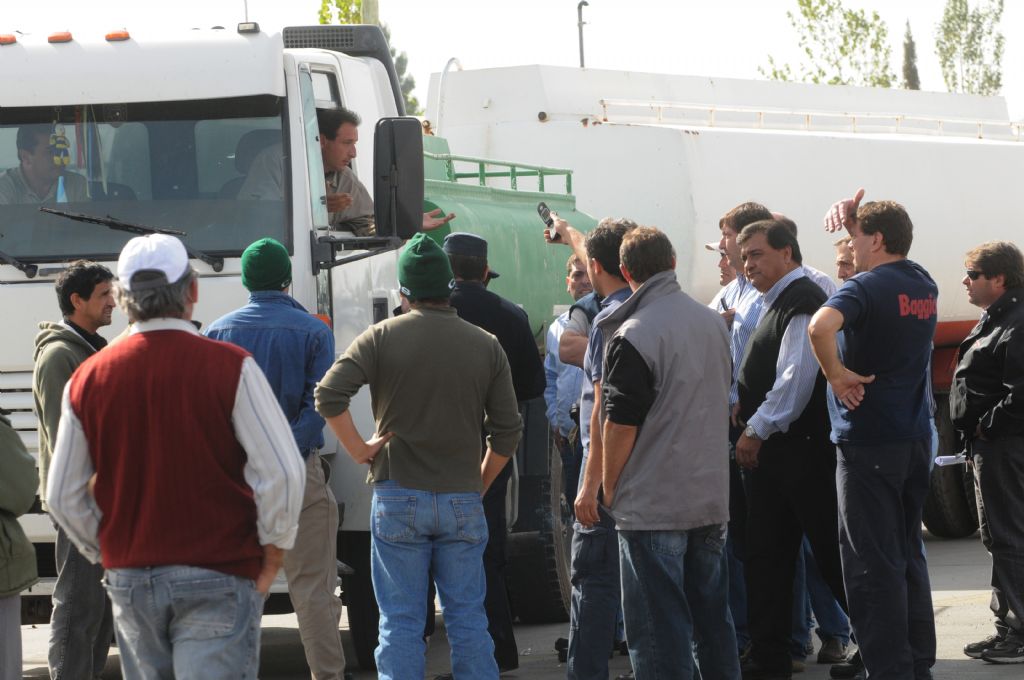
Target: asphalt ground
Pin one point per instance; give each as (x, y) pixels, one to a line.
(959, 573)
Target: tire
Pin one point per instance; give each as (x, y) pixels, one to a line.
(358, 596)
(949, 510)
(538, 561)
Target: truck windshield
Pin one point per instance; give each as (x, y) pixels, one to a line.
(215, 169)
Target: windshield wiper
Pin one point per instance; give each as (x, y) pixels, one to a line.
(215, 262)
(30, 270)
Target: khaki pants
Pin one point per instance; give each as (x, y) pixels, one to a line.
(311, 568)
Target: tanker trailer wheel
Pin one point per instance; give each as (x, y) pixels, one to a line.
(949, 510)
(357, 594)
(538, 561)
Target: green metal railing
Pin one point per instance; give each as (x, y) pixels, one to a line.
(513, 173)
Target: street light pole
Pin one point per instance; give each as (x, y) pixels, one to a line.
(579, 23)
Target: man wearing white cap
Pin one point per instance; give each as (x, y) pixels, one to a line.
(175, 465)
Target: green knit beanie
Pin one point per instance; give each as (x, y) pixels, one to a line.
(266, 266)
(424, 270)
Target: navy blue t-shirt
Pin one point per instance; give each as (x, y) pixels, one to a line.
(889, 317)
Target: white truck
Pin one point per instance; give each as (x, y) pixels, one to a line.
(163, 128)
(679, 151)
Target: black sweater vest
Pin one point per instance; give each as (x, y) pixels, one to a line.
(758, 368)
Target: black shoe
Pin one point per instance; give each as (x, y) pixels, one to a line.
(562, 648)
(752, 670)
(1010, 650)
(849, 670)
(975, 649)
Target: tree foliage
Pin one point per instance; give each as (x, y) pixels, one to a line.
(841, 46)
(351, 12)
(911, 81)
(970, 48)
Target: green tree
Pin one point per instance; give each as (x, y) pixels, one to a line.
(970, 48)
(841, 46)
(351, 12)
(911, 81)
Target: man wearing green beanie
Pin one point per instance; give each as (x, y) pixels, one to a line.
(294, 349)
(434, 379)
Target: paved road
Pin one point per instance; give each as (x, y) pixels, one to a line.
(959, 571)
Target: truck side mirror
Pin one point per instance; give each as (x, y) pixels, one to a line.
(398, 177)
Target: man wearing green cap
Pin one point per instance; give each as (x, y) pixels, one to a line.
(294, 349)
(434, 379)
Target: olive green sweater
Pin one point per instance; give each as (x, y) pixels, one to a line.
(434, 380)
(17, 492)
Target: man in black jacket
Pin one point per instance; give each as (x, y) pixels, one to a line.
(986, 404)
(506, 321)
(784, 446)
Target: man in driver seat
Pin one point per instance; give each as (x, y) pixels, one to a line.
(37, 177)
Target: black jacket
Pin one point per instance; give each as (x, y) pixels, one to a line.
(988, 386)
(510, 325)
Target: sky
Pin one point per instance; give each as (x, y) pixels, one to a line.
(723, 38)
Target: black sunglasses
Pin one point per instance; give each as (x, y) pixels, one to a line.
(973, 274)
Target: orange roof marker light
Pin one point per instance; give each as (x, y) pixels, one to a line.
(60, 37)
(115, 36)
(8, 38)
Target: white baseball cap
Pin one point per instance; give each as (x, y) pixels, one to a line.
(156, 254)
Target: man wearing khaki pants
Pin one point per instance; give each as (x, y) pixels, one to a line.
(294, 349)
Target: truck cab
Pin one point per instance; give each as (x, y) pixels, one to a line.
(169, 131)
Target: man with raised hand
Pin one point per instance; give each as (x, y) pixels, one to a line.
(885, 317)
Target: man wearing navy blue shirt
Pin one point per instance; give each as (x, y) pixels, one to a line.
(879, 409)
(294, 349)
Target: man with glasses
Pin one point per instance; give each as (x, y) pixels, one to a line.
(879, 408)
(986, 404)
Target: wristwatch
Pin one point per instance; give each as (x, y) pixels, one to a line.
(749, 432)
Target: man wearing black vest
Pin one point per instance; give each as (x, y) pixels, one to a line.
(784, 446)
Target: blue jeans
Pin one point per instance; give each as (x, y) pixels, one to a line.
(415, 534)
(81, 626)
(593, 609)
(831, 619)
(675, 590)
(185, 622)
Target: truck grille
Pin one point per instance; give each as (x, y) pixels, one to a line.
(16, 401)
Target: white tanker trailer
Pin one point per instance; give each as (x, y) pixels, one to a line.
(679, 151)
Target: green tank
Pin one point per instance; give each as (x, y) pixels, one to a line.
(498, 201)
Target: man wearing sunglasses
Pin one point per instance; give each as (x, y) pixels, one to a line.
(884, 318)
(986, 404)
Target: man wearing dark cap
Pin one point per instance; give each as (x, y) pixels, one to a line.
(176, 466)
(295, 349)
(437, 382)
(509, 323)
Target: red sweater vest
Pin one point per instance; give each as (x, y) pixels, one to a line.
(156, 410)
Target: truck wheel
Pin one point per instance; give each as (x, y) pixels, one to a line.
(949, 511)
(358, 595)
(538, 561)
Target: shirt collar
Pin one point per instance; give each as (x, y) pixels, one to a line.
(164, 324)
(618, 296)
(274, 296)
(780, 285)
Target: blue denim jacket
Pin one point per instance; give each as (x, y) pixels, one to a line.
(294, 349)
